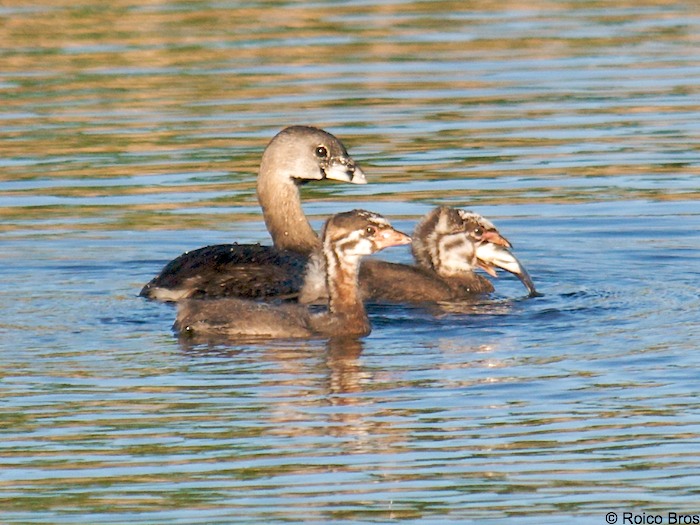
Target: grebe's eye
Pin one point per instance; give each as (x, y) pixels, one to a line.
(321, 152)
(370, 230)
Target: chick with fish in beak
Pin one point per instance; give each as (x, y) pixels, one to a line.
(449, 245)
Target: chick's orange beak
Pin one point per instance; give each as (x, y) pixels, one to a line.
(391, 237)
(494, 237)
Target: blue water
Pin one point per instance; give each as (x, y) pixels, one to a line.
(133, 133)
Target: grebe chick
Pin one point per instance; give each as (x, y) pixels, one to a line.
(452, 243)
(296, 155)
(448, 246)
(347, 237)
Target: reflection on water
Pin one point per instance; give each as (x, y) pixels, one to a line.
(133, 132)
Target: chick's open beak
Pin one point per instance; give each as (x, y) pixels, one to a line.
(491, 256)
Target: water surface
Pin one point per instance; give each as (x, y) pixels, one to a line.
(132, 132)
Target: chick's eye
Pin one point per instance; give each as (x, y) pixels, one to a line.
(370, 230)
(478, 232)
(321, 152)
